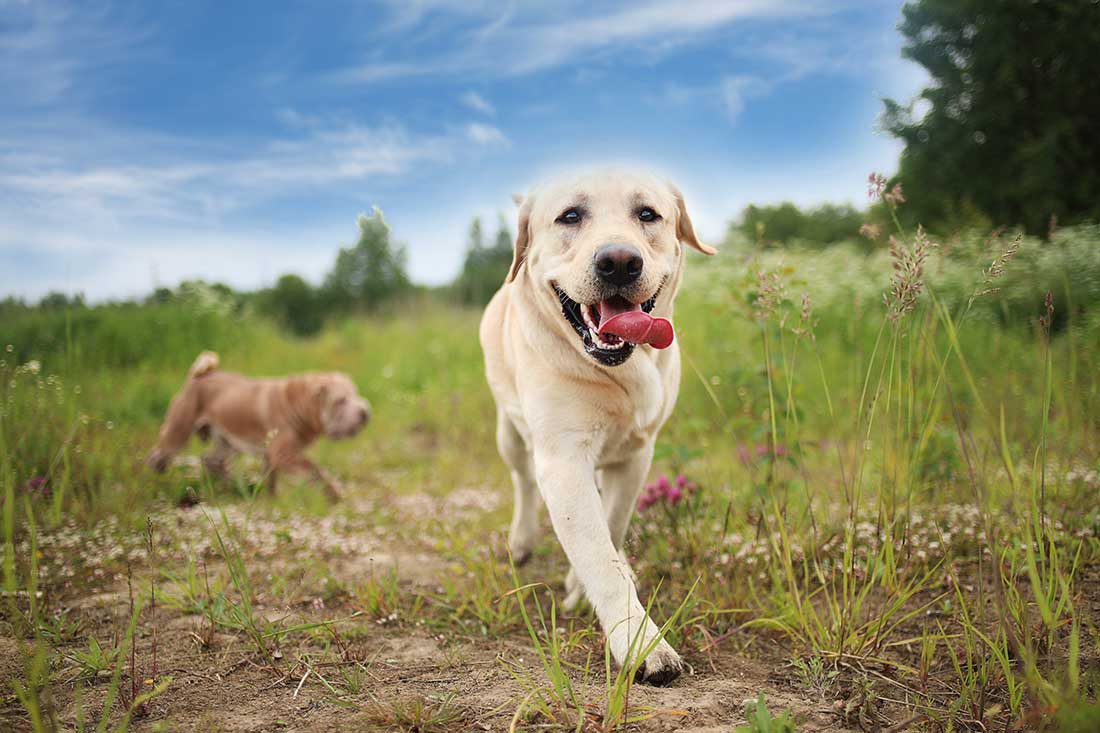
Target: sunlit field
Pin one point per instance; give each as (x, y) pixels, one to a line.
(876, 506)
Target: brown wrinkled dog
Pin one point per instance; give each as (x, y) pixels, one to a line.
(276, 418)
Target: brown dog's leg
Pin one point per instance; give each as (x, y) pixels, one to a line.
(217, 459)
(284, 453)
(178, 425)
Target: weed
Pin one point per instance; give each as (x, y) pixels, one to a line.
(417, 714)
(760, 719)
(815, 674)
(96, 660)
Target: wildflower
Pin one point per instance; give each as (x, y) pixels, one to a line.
(684, 485)
(894, 196)
(666, 490)
(32, 366)
(769, 294)
(763, 450)
(870, 231)
(805, 324)
(37, 487)
(876, 185)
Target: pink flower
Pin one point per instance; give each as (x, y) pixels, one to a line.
(664, 489)
(38, 487)
(894, 196)
(762, 450)
(876, 186)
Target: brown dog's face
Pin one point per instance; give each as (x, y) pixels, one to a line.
(343, 411)
(604, 243)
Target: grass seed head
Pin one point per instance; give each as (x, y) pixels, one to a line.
(907, 282)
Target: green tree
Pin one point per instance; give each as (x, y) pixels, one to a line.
(785, 223)
(485, 266)
(1007, 128)
(57, 300)
(370, 273)
(294, 304)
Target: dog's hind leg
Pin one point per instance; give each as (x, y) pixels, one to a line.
(178, 426)
(523, 535)
(620, 485)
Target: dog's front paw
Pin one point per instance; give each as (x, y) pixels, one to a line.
(334, 490)
(158, 460)
(661, 667)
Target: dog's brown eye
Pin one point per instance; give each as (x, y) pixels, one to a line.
(570, 216)
(647, 214)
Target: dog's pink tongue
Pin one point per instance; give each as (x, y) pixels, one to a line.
(630, 323)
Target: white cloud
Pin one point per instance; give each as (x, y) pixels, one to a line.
(478, 103)
(46, 47)
(102, 209)
(486, 134)
(734, 89)
(533, 38)
(729, 95)
(179, 179)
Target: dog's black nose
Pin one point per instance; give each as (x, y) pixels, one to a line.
(618, 264)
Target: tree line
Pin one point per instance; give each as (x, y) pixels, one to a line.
(370, 275)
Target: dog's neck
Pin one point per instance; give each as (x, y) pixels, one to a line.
(303, 413)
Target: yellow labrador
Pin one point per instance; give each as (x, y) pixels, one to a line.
(581, 359)
(277, 418)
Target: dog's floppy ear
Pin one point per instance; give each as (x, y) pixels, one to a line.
(523, 236)
(685, 230)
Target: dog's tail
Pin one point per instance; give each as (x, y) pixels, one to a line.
(206, 362)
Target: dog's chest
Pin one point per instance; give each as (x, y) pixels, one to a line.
(641, 405)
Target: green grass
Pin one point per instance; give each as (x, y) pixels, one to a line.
(910, 507)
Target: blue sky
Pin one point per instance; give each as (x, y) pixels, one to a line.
(147, 142)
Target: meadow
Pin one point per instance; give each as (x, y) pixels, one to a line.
(876, 507)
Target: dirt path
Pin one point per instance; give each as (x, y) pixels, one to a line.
(403, 653)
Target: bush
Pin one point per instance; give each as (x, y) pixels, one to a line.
(1068, 267)
(294, 304)
(119, 335)
(787, 223)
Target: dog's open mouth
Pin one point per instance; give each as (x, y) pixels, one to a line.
(611, 328)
